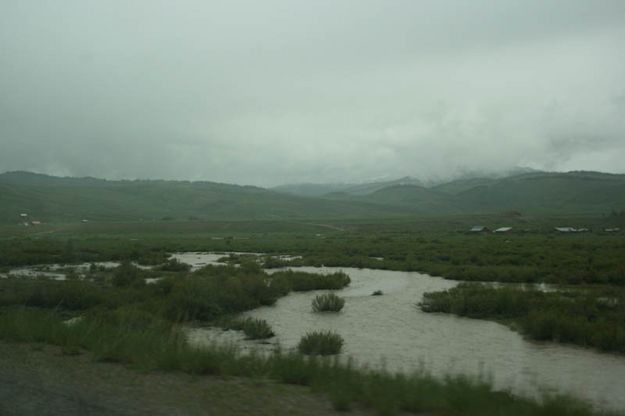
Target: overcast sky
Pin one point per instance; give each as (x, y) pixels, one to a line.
(271, 92)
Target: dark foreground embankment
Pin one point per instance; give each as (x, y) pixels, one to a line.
(41, 380)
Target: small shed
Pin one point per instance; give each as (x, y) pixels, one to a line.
(478, 229)
(566, 229)
(503, 230)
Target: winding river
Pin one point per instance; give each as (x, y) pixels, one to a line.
(390, 332)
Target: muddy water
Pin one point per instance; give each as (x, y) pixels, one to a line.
(199, 259)
(389, 331)
(55, 271)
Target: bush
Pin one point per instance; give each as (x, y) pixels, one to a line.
(303, 281)
(328, 302)
(320, 343)
(588, 317)
(217, 291)
(127, 274)
(174, 265)
(68, 295)
(252, 328)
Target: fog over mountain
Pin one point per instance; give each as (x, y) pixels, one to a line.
(275, 92)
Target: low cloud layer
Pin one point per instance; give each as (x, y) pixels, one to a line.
(286, 91)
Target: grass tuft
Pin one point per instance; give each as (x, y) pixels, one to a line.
(252, 328)
(328, 302)
(320, 343)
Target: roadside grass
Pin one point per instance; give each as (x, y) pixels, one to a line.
(135, 339)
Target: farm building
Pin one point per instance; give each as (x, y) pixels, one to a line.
(478, 229)
(571, 230)
(503, 230)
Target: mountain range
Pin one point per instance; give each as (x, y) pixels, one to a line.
(52, 199)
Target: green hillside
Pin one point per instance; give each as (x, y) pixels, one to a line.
(535, 193)
(339, 189)
(549, 193)
(311, 189)
(70, 199)
(54, 199)
(460, 185)
(415, 198)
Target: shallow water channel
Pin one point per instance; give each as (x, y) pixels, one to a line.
(390, 331)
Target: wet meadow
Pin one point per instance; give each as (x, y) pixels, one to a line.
(566, 288)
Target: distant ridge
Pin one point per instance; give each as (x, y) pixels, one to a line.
(532, 192)
(321, 189)
(51, 198)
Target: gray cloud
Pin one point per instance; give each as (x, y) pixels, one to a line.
(290, 91)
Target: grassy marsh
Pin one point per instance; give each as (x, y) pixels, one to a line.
(588, 317)
(135, 339)
(125, 320)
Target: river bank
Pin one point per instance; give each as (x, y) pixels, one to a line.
(38, 379)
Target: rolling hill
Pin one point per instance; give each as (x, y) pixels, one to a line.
(535, 193)
(71, 199)
(548, 193)
(329, 189)
(54, 199)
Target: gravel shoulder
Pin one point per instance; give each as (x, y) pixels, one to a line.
(39, 380)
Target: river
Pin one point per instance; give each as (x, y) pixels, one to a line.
(390, 331)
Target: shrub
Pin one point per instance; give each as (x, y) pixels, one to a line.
(302, 281)
(174, 265)
(320, 343)
(68, 295)
(252, 328)
(127, 274)
(328, 302)
(588, 317)
(218, 291)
